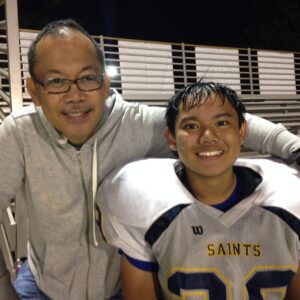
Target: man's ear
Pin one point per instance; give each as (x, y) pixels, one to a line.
(171, 139)
(243, 131)
(31, 88)
(106, 84)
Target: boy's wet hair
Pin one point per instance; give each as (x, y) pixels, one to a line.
(198, 93)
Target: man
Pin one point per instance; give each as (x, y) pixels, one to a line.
(205, 226)
(57, 152)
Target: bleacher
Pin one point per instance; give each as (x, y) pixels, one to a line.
(268, 82)
(151, 72)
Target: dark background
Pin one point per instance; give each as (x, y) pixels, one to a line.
(259, 24)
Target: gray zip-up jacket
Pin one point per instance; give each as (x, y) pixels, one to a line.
(66, 253)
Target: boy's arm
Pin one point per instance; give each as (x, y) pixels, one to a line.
(138, 284)
(294, 289)
(267, 137)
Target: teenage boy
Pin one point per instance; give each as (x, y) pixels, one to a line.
(209, 225)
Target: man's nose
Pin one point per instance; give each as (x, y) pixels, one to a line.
(74, 93)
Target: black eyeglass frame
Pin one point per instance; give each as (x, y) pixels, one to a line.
(70, 82)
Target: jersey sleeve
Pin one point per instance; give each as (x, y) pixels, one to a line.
(125, 215)
(124, 236)
(132, 198)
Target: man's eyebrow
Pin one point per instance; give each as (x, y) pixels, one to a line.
(90, 67)
(53, 71)
(59, 72)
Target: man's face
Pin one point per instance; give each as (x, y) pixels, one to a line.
(75, 114)
(208, 138)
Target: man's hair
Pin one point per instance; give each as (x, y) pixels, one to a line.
(55, 29)
(198, 93)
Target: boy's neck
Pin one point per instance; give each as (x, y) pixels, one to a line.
(212, 190)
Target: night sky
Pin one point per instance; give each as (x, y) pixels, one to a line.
(260, 24)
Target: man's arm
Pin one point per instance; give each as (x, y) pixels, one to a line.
(267, 137)
(138, 284)
(6, 289)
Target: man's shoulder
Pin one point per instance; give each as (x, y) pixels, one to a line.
(24, 111)
(20, 117)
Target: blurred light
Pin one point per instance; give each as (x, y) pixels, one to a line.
(112, 71)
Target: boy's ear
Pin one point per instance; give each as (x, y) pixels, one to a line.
(171, 139)
(31, 88)
(243, 131)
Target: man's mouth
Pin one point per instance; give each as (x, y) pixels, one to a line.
(77, 115)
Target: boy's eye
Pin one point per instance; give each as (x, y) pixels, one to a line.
(222, 123)
(190, 126)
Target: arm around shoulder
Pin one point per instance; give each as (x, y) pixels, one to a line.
(267, 137)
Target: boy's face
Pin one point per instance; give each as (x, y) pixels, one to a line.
(208, 138)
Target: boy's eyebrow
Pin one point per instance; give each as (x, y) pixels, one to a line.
(188, 118)
(223, 115)
(217, 116)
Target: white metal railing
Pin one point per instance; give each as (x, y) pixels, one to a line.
(11, 50)
(153, 71)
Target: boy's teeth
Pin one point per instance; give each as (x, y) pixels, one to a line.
(211, 153)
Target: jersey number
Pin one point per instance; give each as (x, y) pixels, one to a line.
(213, 285)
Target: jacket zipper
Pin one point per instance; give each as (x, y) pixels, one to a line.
(88, 247)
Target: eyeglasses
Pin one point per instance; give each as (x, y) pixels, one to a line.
(62, 85)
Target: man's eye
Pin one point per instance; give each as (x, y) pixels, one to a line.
(89, 78)
(55, 81)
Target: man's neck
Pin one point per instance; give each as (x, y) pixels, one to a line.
(77, 146)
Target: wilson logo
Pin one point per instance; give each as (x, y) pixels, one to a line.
(197, 230)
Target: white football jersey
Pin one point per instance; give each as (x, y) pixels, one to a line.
(250, 251)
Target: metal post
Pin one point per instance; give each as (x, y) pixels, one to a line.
(250, 72)
(184, 64)
(14, 62)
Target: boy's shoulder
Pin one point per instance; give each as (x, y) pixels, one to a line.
(142, 190)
